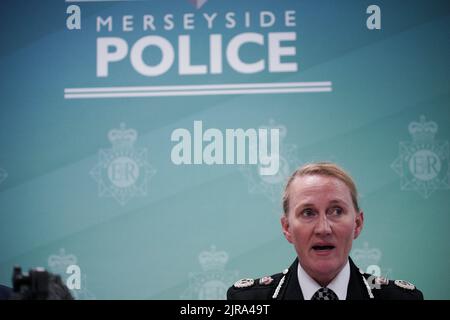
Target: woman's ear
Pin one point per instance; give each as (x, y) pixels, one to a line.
(285, 226)
(359, 223)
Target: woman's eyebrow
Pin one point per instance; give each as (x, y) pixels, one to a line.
(303, 205)
(337, 201)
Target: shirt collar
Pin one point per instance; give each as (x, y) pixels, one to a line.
(339, 284)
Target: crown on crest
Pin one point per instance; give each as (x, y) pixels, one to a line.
(423, 131)
(367, 256)
(213, 260)
(60, 262)
(122, 137)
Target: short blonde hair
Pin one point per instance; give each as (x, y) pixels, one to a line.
(322, 169)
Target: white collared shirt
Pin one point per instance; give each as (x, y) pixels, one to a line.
(339, 284)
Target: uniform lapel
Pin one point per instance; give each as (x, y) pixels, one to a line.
(292, 289)
(356, 289)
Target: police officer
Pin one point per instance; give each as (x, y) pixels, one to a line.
(321, 219)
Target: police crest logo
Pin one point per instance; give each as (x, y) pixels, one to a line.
(122, 171)
(271, 186)
(244, 283)
(213, 282)
(59, 264)
(366, 256)
(404, 284)
(266, 280)
(369, 259)
(423, 163)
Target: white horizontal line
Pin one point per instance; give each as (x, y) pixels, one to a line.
(192, 93)
(200, 87)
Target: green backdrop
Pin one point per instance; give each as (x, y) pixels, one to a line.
(156, 230)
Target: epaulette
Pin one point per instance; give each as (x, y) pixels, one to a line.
(382, 288)
(266, 287)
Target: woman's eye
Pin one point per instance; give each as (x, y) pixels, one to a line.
(308, 213)
(337, 211)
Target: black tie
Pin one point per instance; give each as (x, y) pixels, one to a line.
(324, 294)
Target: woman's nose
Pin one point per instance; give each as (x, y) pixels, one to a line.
(323, 226)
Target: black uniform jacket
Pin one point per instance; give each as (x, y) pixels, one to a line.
(285, 286)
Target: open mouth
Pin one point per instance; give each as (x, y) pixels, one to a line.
(323, 248)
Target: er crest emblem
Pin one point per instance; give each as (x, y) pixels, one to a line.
(59, 263)
(423, 163)
(212, 283)
(271, 186)
(122, 171)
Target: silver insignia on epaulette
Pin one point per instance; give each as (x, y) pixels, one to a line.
(404, 284)
(244, 283)
(265, 280)
(381, 281)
